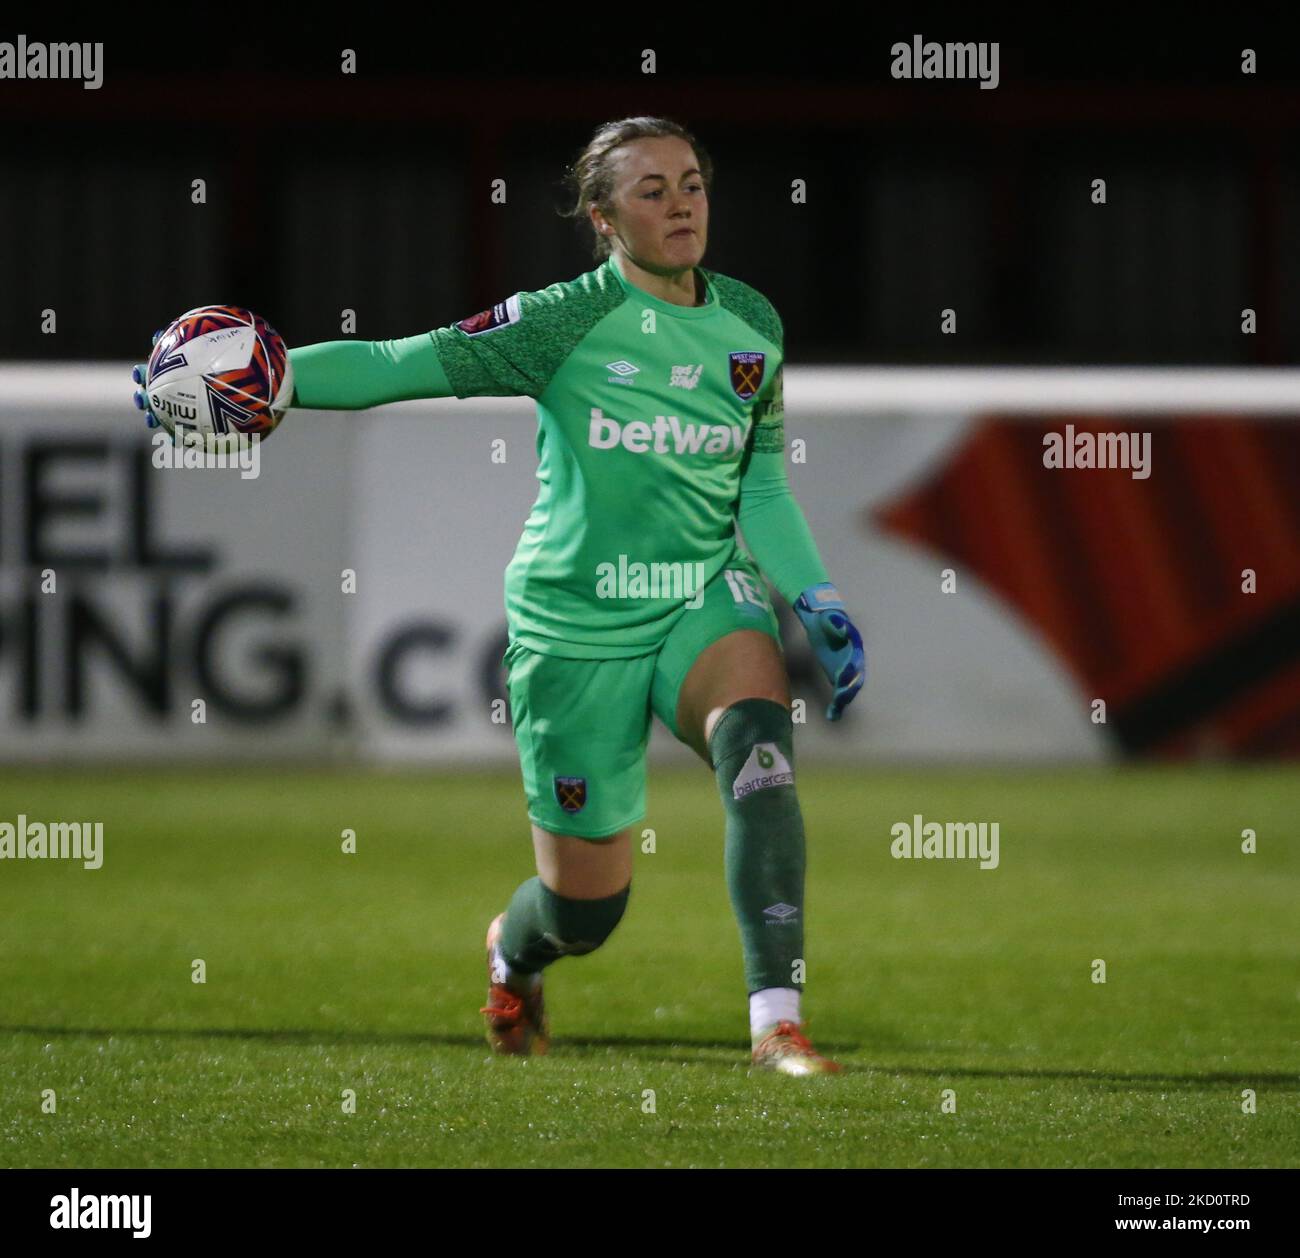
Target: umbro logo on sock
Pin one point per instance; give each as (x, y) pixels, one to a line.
(765, 767)
(565, 948)
(780, 912)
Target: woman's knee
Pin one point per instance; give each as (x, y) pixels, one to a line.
(743, 665)
(584, 869)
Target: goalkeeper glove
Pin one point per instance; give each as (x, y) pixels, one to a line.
(835, 641)
(140, 374)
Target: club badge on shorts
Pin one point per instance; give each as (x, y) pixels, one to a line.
(570, 793)
(747, 372)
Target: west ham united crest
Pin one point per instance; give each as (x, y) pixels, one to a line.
(571, 793)
(747, 372)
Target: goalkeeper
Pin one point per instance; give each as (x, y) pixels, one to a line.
(658, 389)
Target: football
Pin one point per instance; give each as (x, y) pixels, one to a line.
(221, 372)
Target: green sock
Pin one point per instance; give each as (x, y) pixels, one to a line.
(541, 927)
(752, 748)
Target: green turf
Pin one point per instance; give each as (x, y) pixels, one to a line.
(328, 971)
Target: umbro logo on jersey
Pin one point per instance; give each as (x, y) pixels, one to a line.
(623, 371)
(765, 767)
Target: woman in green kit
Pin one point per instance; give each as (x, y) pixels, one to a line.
(659, 395)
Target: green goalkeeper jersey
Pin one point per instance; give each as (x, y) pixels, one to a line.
(649, 414)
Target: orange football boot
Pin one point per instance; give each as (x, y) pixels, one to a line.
(787, 1050)
(516, 1023)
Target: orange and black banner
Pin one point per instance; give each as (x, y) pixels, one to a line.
(1174, 596)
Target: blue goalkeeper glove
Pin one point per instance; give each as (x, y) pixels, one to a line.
(835, 642)
(140, 374)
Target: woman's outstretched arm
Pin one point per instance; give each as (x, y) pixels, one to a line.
(353, 375)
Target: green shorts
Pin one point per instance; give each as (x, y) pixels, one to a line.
(582, 726)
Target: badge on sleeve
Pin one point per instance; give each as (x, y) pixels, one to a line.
(502, 315)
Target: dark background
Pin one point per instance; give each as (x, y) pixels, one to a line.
(371, 192)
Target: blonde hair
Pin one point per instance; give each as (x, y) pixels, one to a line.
(591, 177)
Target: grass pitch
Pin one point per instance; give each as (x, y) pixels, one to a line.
(328, 972)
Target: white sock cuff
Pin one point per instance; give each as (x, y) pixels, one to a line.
(502, 973)
(772, 1005)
